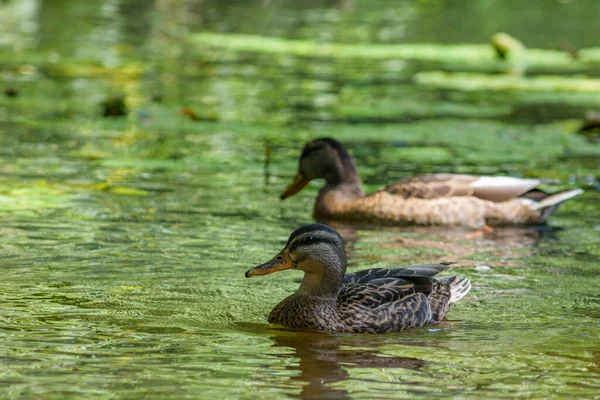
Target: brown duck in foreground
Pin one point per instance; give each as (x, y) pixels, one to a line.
(438, 199)
(376, 300)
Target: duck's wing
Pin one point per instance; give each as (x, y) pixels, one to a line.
(385, 300)
(421, 270)
(493, 188)
(376, 286)
(376, 292)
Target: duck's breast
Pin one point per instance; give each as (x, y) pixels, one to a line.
(306, 312)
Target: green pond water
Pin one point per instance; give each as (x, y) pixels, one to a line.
(124, 240)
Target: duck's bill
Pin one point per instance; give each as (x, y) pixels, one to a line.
(297, 185)
(280, 262)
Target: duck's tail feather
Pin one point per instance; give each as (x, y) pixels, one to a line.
(459, 287)
(550, 204)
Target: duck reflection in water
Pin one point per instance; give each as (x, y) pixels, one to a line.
(325, 359)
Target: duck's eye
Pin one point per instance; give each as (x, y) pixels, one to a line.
(309, 240)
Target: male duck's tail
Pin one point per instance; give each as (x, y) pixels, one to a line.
(550, 204)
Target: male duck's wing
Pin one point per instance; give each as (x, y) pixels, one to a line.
(493, 188)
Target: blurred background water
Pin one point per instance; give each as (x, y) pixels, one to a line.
(125, 238)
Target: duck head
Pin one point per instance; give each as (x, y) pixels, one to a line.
(324, 158)
(316, 249)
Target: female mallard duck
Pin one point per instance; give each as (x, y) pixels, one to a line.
(371, 301)
(438, 199)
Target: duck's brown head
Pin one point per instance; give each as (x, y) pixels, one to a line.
(316, 249)
(324, 158)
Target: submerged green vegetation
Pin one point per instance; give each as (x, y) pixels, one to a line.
(468, 56)
(125, 238)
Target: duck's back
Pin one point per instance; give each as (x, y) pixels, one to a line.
(390, 209)
(435, 186)
(445, 199)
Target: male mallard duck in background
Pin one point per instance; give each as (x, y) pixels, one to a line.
(438, 199)
(376, 300)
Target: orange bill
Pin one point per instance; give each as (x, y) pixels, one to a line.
(280, 262)
(297, 185)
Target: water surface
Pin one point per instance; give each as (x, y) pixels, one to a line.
(125, 240)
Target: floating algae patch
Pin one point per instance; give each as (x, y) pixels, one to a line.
(271, 45)
(146, 164)
(404, 102)
(33, 199)
(434, 155)
(470, 56)
(402, 109)
(93, 70)
(471, 81)
(591, 55)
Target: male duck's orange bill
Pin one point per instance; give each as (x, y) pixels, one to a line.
(297, 185)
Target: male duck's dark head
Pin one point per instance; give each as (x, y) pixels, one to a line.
(316, 249)
(324, 158)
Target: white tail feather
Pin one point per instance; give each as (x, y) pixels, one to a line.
(550, 204)
(558, 198)
(502, 188)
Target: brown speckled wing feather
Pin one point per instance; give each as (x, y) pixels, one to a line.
(433, 186)
(376, 286)
(407, 312)
(393, 299)
(421, 270)
(376, 292)
(452, 185)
